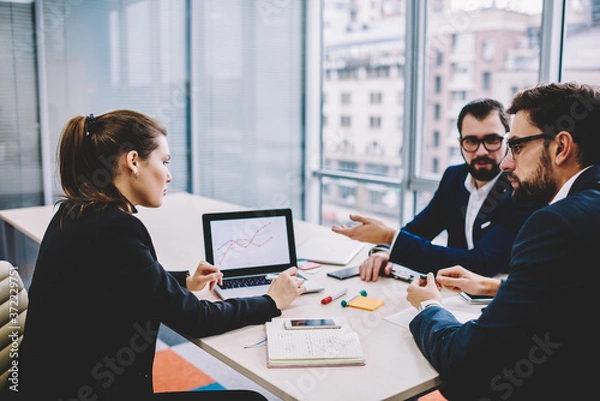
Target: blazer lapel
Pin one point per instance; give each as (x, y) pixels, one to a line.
(588, 179)
(501, 190)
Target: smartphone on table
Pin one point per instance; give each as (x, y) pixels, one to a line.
(476, 299)
(313, 323)
(344, 273)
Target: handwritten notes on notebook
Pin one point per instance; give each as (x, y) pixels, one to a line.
(312, 347)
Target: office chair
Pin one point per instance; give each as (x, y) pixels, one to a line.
(13, 307)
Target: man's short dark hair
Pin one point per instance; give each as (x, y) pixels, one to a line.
(480, 109)
(571, 106)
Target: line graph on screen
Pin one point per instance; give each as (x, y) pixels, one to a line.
(260, 238)
(239, 243)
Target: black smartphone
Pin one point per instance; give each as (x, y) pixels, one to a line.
(344, 273)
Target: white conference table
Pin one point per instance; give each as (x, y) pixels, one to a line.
(395, 368)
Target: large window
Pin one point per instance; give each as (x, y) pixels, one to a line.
(445, 53)
(237, 84)
(479, 51)
(368, 39)
(581, 60)
(484, 52)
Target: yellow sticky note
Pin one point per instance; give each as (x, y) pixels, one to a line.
(365, 303)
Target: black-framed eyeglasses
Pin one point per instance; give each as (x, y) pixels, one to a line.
(516, 145)
(490, 142)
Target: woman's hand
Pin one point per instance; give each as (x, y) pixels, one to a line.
(286, 287)
(205, 274)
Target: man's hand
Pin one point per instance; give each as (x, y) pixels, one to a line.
(421, 290)
(370, 268)
(205, 274)
(457, 279)
(368, 230)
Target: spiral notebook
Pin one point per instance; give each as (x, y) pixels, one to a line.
(312, 347)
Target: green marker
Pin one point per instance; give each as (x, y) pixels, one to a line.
(362, 293)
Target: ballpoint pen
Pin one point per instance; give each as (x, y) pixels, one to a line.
(330, 298)
(361, 293)
(256, 344)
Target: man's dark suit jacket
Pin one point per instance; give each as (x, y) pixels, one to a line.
(494, 230)
(96, 300)
(536, 340)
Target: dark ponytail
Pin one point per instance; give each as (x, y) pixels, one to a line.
(89, 150)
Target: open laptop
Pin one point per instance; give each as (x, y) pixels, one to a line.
(247, 245)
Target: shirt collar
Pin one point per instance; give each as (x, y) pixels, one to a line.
(471, 187)
(564, 191)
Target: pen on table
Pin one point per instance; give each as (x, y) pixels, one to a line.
(330, 298)
(256, 343)
(361, 293)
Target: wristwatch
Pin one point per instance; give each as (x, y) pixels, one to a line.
(379, 248)
(430, 302)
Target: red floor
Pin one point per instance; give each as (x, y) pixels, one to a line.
(174, 373)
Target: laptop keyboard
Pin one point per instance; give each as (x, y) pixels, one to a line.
(241, 282)
(253, 281)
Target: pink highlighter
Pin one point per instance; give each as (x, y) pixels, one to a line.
(307, 265)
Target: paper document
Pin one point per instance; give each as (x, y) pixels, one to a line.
(455, 304)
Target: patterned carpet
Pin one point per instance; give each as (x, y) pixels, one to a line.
(174, 373)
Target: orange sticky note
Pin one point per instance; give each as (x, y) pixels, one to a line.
(366, 303)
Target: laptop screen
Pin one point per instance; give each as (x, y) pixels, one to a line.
(249, 242)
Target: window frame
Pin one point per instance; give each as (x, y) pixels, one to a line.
(412, 182)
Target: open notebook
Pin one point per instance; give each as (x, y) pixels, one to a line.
(247, 246)
(312, 347)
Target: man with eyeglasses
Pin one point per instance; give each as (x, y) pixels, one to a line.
(472, 204)
(533, 341)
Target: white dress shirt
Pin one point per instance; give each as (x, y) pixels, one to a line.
(476, 199)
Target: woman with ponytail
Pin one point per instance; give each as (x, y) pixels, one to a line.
(99, 294)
